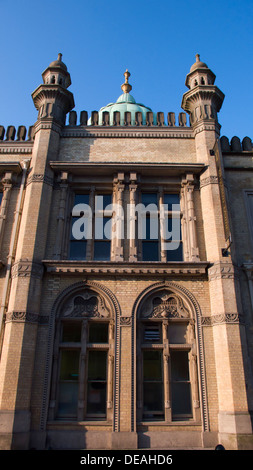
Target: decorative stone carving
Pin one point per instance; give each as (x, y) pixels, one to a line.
(164, 305)
(86, 304)
(26, 268)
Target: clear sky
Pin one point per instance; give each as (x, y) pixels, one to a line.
(155, 39)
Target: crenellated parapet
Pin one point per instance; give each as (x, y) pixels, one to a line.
(236, 145)
(98, 118)
(20, 134)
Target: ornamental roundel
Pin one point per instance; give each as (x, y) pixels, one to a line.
(86, 304)
(164, 304)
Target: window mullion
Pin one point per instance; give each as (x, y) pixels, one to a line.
(81, 392)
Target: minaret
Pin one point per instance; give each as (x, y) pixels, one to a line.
(203, 102)
(53, 101)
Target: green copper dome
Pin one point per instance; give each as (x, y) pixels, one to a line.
(125, 103)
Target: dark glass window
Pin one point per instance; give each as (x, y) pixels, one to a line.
(170, 199)
(153, 401)
(180, 385)
(98, 332)
(68, 385)
(71, 332)
(97, 383)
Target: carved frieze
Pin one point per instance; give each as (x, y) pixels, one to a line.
(222, 270)
(165, 305)
(86, 304)
(221, 318)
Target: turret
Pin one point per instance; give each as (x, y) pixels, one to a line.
(203, 100)
(52, 99)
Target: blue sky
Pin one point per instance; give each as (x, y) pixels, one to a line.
(156, 40)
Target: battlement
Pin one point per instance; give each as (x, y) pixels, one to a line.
(236, 145)
(20, 135)
(152, 119)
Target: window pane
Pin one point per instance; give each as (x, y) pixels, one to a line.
(180, 387)
(152, 398)
(96, 398)
(71, 332)
(69, 365)
(152, 334)
(102, 251)
(97, 365)
(81, 199)
(67, 401)
(98, 332)
(103, 228)
(176, 226)
(171, 199)
(107, 200)
(150, 251)
(152, 365)
(181, 399)
(152, 228)
(177, 333)
(77, 250)
(179, 365)
(175, 254)
(149, 198)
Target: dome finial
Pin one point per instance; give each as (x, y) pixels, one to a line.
(126, 87)
(197, 58)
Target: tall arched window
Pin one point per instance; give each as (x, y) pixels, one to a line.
(83, 360)
(167, 382)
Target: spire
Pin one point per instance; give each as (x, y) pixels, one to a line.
(126, 87)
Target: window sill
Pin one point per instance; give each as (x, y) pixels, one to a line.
(60, 423)
(188, 422)
(157, 268)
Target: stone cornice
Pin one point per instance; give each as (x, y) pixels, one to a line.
(16, 147)
(147, 132)
(138, 268)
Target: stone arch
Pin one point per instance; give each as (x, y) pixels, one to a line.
(185, 305)
(106, 305)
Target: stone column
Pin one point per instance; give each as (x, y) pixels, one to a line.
(19, 342)
(132, 222)
(189, 218)
(61, 216)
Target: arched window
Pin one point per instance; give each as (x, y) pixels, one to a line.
(166, 360)
(83, 360)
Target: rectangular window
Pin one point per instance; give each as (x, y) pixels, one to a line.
(180, 385)
(174, 247)
(68, 384)
(90, 236)
(150, 228)
(153, 398)
(78, 246)
(97, 384)
(103, 229)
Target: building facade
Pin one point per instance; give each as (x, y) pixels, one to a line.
(126, 274)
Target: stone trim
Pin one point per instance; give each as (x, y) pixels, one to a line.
(22, 317)
(126, 268)
(132, 132)
(40, 178)
(208, 180)
(25, 268)
(221, 318)
(223, 270)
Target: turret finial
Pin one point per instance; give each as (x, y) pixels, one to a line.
(126, 87)
(197, 58)
(59, 57)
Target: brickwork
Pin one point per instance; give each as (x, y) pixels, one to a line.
(38, 280)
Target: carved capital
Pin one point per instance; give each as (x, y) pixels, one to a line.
(222, 270)
(25, 268)
(28, 317)
(220, 318)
